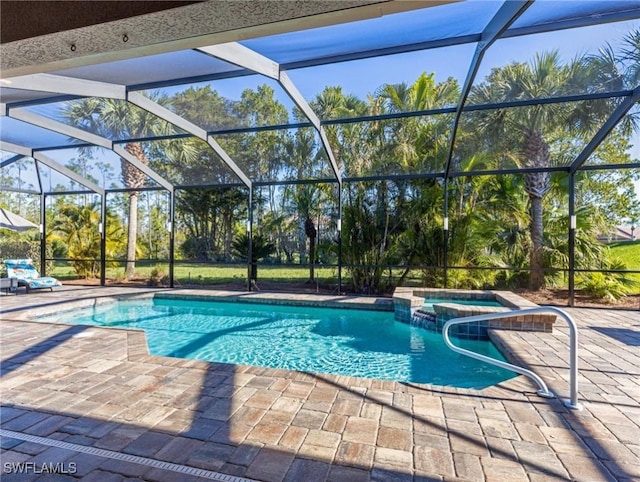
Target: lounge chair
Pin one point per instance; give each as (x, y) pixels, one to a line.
(9, 284)
(27, 275)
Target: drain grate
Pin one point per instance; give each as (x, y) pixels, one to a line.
(110, 454)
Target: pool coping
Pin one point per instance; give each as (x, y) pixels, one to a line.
(450, 434)
(138, 347)
(408, 301)
(270, 298)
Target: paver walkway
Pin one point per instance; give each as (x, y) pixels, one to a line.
(91, 403)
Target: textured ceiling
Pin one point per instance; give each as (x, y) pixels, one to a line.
(195, 25)
(20, 20)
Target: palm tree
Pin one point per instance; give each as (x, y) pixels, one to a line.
(527, 132)
(416, 144)
(261, 248)
(116, 119)
(76, 226)
(350, 151)
(306, 200)
(631, 57)
(626, 66)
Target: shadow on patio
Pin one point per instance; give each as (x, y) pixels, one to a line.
(99, 388)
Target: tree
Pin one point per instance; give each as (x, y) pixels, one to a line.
(116, 119)
(417, 143)
(261, 248)
(208, 217)
(630, 57)
(201, 165)
(77, 226)
(413, 212)
(351, 153)
(156, 216)
(262, 152)
(306, 200)
(82, 166)
(527, 132)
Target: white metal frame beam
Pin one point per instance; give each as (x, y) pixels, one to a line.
(16, 148)
(147, 104)
(239, 55)
(244, 57)
(58, 84)
(65, 171)
(32, 118)
(508, 13)
(39, 156)
(67, 85)
(25, 115)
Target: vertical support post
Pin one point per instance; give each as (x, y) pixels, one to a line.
(573, 361)
(339, 238)
(43, 238)
(43, 234)
(572, 238)
(250, 239)
(445, 236)
(172, 258)
(102, 228)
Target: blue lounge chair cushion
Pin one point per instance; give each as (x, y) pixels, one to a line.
(27, 274)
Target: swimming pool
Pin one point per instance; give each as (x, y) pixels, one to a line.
(359, 343)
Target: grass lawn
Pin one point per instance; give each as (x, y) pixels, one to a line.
(207, 274)
(195, 273)
(187, 273)
(629, 253)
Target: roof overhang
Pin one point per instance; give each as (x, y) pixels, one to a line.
(196, 25)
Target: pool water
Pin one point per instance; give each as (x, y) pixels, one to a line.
(359, 343)
(429, 302)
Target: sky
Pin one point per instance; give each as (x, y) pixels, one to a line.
(363, 77)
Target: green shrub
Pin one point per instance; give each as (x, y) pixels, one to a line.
(609, 286)
(603, 285)
(158, 277)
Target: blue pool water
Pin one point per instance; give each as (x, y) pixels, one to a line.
(358, 343)
(429, 302)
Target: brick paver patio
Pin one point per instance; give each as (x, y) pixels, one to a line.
(91, 403)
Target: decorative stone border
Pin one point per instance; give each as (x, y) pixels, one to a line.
(408, 303)
(285, 299)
